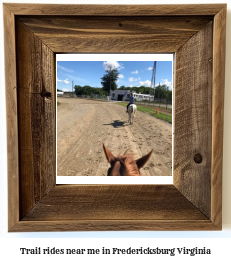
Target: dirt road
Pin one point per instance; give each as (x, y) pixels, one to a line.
(84, 125)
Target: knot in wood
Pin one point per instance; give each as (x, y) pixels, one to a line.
(198, 158)
(45, 94)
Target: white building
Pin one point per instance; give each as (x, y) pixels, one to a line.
(60, 94)
(123, 95)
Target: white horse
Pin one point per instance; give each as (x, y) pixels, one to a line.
(131, 113)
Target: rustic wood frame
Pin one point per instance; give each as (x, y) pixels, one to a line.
(33, 34)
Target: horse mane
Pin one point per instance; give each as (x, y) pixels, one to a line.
(125, 165)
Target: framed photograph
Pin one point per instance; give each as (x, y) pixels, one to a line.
(93, 91)
(35, 35)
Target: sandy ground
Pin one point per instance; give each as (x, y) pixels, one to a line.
(84, 125)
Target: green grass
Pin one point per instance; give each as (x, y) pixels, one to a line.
(58, 103)
(162, 116)
(151, 111)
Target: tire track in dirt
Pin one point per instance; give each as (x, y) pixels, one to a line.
(120, 136)
(92, 123)
(155, 134)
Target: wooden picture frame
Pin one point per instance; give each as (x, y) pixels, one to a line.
(33, 34)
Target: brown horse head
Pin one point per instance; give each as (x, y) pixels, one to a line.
(125, 165)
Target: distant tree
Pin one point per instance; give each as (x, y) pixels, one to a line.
(100, 91)
(109, 80)
(58, 90)
(163, 92)
(141, 89)
(160, 91)
(87, 90)
(78, 90)
(168, 96)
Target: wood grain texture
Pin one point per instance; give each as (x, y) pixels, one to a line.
(115, 10)
(12, 114)
(108, 207)
(189, 204)
(193, 127)
(36, 118)
(218, 114)
(114, 225)
(114, 202)
(114, 34)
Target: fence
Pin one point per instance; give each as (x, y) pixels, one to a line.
(157, 102)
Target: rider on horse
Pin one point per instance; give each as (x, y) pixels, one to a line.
(131, 101)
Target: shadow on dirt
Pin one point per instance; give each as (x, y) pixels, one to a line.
(117, 124)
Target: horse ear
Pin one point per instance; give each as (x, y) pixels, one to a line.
(141, 162)
(110, 157)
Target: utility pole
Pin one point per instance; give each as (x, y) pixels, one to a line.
(159, 95)
(110, 84)
(153, 82)
(110, 81)
(72, 89)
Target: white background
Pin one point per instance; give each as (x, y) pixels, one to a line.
(218, 241)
